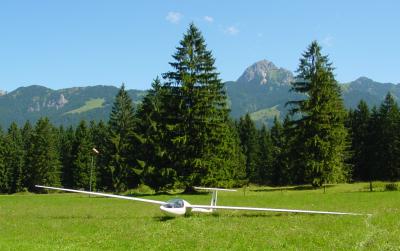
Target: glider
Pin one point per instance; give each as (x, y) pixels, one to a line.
(179, 207)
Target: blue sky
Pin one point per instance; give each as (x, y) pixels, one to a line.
(61, 44)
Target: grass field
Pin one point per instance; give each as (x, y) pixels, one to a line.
(77, 222)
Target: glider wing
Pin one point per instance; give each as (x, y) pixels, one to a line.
(104, 194)
(271, 210)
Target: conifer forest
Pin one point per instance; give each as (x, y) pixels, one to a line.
(181, 135)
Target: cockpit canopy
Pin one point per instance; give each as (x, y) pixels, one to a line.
(175, 203)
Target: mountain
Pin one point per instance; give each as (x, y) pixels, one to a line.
(261, 86)
(62, 107)
(262, 90)
(370, 91)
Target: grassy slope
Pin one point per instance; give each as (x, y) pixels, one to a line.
(89, 105)
(264, 115)
(76, 222)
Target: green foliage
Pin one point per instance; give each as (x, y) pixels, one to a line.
(265, 158)
(42, 157)
(154, 142)
(321, 135)
(391, 187)
(122, 166)
(14, 159)
(99, 136)
(67, 139)
(197, 120)
(359, 120)
(4, 182)
(249, 141)
(83, 165)
(389, 139)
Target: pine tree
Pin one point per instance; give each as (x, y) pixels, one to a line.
(389, 139)
(4, 182)
(277, 140)
(322, 137)
(265, 158)
(26, 133)
(198, 121)
(373, 148)
(67, 139)
(158, 172)
(359, 123)
(249, 142)
(122, 167)
(43, 158)
(82, 167)
(14, 158)
(100, 134)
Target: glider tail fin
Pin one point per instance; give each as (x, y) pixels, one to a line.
(214, 196)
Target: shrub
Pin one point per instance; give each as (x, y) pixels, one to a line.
(391, 187)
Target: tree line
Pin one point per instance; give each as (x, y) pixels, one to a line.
(181, 135)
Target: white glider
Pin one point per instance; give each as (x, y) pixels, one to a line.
(178, 207)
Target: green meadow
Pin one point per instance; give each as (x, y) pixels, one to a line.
(64, 221)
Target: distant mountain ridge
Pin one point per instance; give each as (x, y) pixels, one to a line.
(261, 90)
(62, 107)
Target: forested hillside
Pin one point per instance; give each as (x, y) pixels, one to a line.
(262, 90)
(62, 107)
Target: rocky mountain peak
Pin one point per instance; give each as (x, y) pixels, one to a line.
(363, 79)
(265, 72)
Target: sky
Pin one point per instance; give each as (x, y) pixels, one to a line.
(67, 43)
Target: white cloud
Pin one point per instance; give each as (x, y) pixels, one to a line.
(328, 41)
(232, 30)
(174, 17)
(208, 19)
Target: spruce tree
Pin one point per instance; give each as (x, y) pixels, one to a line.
(122, 167)
(389, 139)
(67, 139)
(197, 124)
(26, 133)
(4, 176)
(319, 120)
(265, 158)
(359, 130)
(100, 134)
(43, 158)
(158, 172)
(14, 158)
(276, 172)
(373, 148)
(249, 141)
(82, 166)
